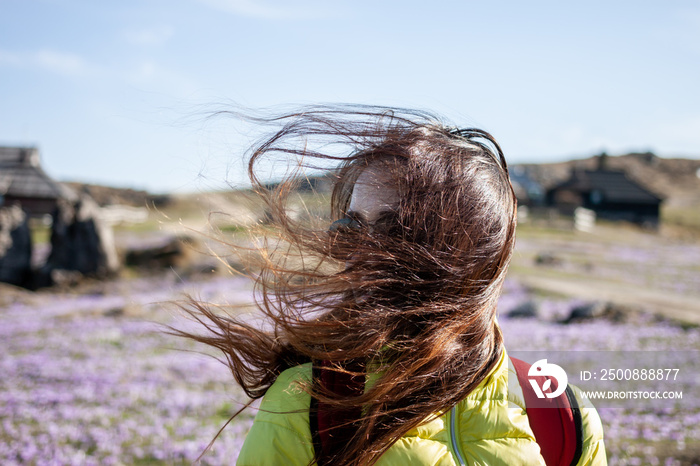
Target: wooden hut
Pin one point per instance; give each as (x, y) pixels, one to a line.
(609, 193)
(24, 182)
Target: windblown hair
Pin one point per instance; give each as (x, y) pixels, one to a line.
(411, 297)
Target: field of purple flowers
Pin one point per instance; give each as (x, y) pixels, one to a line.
(91, 377)
(667, 433)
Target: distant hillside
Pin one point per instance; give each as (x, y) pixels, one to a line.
(106, 195)
(675, 180)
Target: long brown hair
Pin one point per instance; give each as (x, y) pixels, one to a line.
(413, 296)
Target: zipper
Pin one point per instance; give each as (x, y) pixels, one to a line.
(453, 437)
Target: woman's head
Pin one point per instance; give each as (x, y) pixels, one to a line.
(440, 213)
(406, 279)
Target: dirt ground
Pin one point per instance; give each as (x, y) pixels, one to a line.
(634, 269)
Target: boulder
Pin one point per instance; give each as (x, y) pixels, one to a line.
(15, 247)
(547, 259)
(587, 311)
(80, 242)
(611, 311)
(525, 310)
(172, 253)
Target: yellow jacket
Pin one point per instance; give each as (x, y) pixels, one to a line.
(490, 427)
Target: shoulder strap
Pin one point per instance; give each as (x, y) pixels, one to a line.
(556, 422)
(332, 427)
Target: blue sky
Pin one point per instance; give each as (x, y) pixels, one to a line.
(113, 91)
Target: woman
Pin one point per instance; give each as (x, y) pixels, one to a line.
(383, 345)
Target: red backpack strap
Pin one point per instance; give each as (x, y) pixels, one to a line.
(556, 422)
(332, 428)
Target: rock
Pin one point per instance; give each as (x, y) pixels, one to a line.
(586, 311)
(80, 242)
(611, 311)
(620, 313)
(128, 310)
(15, 247)
(525, 310)
(176, 252)
(547, 259)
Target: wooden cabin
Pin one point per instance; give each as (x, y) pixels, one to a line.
(24, 182)
(611, 194)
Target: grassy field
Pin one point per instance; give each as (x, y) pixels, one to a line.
(90, 376)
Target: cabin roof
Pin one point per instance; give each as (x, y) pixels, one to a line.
(21, 176)
(614, 185)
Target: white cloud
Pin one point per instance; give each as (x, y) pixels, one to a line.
(275, 9)
(150, 37)
(149, 74)
(62, 63)
(144, 72)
